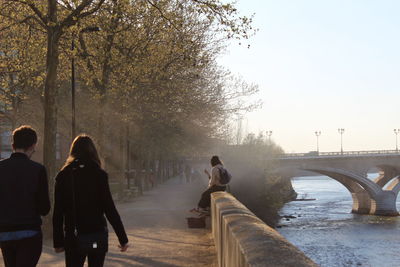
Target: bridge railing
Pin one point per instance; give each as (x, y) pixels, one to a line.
(314, 154)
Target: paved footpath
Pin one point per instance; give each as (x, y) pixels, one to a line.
(157, 231)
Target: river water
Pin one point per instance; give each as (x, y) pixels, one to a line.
(327, 232)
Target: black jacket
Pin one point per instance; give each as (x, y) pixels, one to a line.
(92, 200)
(24, 193)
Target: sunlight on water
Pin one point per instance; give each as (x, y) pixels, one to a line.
(327, 231)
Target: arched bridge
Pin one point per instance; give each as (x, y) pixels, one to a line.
(370, 196)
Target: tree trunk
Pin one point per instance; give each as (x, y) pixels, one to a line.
(50, 103)
(105, 80)
(15, 102)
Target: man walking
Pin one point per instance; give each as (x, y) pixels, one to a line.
(24, 197)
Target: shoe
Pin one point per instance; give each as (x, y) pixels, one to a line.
(196, 210)
(203, 210)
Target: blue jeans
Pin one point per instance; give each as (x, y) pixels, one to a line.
(23, 252)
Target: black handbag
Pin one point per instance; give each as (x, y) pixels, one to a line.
(92, 242)
(96, 242)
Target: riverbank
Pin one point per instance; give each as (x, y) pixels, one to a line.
(263, 193)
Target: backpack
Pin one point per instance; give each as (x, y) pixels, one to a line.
(224, 176)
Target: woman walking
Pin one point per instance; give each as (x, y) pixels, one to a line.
(82, 198)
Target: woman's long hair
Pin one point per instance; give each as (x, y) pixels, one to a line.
(83, 148)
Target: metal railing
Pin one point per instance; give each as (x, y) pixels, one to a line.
(315, 154)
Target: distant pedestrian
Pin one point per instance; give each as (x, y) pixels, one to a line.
(188, 173)
(214, 185)
(82, 198)
(24, 197)
(196, 175)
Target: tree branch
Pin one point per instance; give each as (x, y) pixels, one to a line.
(15, 23)
(162, 14)
(93, 10)
(34, 8)
(5, 12)
(85, 55)
(66, 4)
(72, 18)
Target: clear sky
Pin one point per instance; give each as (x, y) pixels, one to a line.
(323, 65)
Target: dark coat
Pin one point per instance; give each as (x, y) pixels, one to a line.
(93, 200)
(24, 193)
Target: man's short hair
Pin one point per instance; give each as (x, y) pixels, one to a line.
(24, 137)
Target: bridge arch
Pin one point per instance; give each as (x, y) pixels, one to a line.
(360, 189)
(387, 173)
(394, 185)
(345, 176)
(381, 202)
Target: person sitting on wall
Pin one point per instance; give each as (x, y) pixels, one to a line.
(214, 185)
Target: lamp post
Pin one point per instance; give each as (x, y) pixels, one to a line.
(317, 134)
(73, 124)
(73, 90)
(396, 132)
(269, 133)
(341, 131)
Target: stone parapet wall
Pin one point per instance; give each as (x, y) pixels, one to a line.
(242, 239)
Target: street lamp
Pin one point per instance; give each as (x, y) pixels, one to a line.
(396, 132)
(269, 133)
(317, 134)
(341, 131)
(84, 30)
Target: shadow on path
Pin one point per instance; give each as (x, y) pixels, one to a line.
(170, 241)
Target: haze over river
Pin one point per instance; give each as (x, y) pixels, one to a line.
(327, 232)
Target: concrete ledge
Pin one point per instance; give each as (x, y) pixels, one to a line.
(242, 239)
